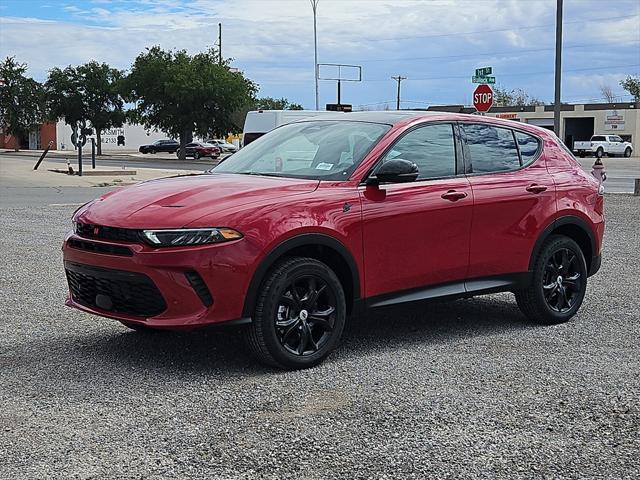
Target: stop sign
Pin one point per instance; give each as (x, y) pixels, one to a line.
(483, 98)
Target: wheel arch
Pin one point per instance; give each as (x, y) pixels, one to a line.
(315, 245)
(575, 228)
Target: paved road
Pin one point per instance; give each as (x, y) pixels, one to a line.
(467, 389)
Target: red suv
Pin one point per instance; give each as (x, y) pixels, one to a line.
(321, 219)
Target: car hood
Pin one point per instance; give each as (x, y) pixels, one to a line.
(179, 201)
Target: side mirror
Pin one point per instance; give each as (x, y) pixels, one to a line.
(397, 170)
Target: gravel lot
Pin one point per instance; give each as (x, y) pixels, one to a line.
(462, 390)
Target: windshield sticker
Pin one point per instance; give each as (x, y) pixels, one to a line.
(324, 166)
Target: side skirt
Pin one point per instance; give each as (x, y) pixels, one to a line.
(449, 291)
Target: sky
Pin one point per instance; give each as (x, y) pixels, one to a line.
(435, 44)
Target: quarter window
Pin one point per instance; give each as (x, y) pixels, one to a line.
(430, 147)
(492, 149)
(528, 145)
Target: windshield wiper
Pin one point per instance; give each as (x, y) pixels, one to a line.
(259, 174)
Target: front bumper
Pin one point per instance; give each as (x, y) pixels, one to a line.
(124, 287)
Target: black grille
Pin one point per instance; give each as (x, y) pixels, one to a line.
(89, 230)
(114, 290)
(196, 282)
(105, 248)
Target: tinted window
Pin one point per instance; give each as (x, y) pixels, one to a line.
(597, 138)
(528, 145)
(431, 148)
(492, 149)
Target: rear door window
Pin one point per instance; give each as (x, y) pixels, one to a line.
(492, 149)
(528, 145)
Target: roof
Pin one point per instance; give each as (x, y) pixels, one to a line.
(389, 117)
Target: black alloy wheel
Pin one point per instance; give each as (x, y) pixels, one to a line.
(305, 316)
(558, 282)
(299, 315)
(562, 282)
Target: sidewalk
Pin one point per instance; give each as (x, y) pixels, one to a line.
(18, 173)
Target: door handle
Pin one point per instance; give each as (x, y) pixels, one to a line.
(535, 188)
(452, 195)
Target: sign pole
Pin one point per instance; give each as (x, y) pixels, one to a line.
(556, 103)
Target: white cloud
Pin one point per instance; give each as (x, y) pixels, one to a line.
(272, 40)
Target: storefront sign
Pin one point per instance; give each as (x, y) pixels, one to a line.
(614, 120)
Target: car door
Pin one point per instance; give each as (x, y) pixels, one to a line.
(417, 234)
(514, 197)
(617, 145)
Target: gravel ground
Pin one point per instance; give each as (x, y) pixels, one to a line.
(461, 390)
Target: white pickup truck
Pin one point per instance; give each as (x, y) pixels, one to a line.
(600, 145)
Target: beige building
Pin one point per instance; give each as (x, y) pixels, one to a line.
(577, 122)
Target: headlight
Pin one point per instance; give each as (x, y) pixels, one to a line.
(189, 236)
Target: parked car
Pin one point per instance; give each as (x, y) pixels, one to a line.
(201, 149)
(224, 145)
(601, 145)
(170, 146)
(322, 219)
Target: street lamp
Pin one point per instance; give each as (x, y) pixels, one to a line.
(314, 6)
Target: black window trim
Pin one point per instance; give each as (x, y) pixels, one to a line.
(468, 167)
(457, 145)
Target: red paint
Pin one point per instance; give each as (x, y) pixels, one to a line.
(400, 236)
(483, 98)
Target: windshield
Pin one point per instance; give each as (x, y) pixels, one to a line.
(319, 150)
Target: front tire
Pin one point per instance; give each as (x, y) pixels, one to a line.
(627, 152)
(558, 285)
(299, 315)
(196, 155)
(599, 152)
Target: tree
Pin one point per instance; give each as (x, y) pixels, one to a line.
(607, 93)
(103, 103)
(87, 92)
(21, 100)
(632, 85)
(516, 97)
(182, 94)
(268, 103)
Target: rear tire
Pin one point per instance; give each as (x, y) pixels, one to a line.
(299, 315)
(599, 152)
(196, 155)
(558, 284)
(627, 152)
(152, 151)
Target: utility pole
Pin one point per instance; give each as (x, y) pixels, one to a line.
(398, 79)
(556, 104)
(219, 44)
(314, 6)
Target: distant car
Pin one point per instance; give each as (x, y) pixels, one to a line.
(170, 146)
(599, 145)
(224, 145)
(201, 149)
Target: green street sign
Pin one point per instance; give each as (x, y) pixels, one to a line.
(477, 79)
(483, 72)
